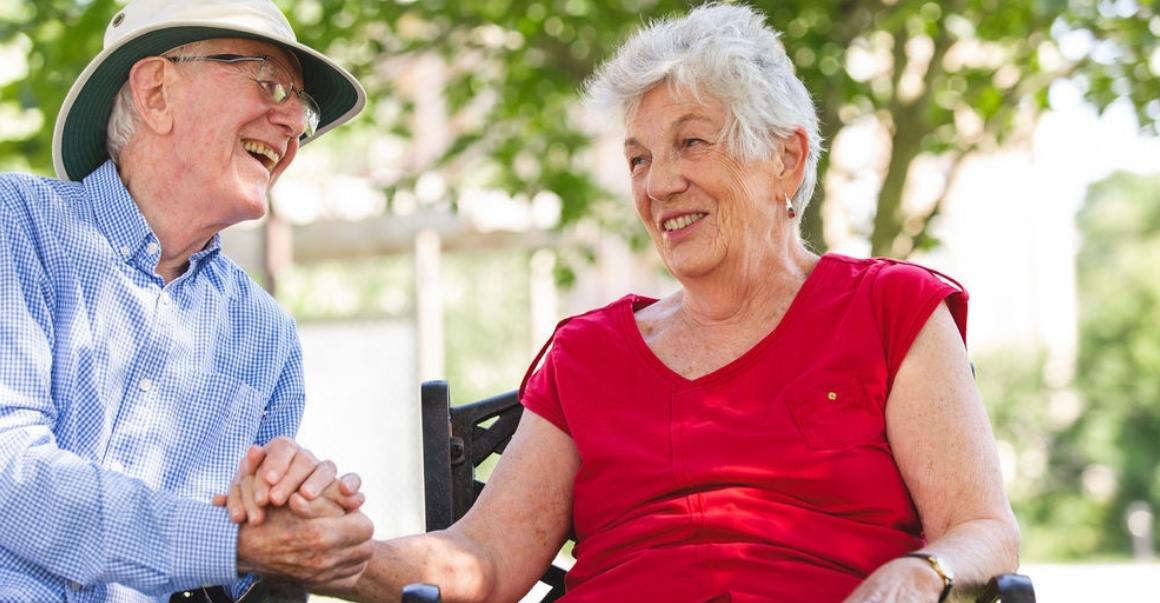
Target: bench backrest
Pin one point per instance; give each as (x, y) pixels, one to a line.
(456, 440)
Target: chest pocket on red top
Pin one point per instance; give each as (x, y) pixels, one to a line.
(834, 414)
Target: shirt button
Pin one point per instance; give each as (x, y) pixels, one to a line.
(151, 248)
(125, 250)
(117, 466)
(145, 385)
(74, 586)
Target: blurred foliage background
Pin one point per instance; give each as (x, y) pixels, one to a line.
(946, 78)
(943, 79)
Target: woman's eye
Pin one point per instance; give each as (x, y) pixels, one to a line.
(688, 142)
(635, 161)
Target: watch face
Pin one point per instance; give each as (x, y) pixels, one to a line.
(943, 570)
(941, 567)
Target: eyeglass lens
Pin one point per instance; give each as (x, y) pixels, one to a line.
(279, 84)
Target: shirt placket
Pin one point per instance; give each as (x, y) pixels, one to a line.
(146, 378)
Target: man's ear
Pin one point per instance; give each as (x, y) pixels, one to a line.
(149, 82)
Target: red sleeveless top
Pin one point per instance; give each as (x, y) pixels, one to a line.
(769, 479)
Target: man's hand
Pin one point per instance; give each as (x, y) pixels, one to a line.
(331, 548)
(273, 474)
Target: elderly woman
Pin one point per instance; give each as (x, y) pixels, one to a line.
(785, 427)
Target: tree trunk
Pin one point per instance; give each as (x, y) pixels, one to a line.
(904, 147)
(909, 123)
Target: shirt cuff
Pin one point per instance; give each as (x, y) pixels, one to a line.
(204, 545)
(243, 586)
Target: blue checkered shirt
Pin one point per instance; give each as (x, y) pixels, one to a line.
(125, 402)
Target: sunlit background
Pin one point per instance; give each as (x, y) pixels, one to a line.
(1009, 143)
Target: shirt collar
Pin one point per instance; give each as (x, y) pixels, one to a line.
(117, 215)
(122, 222)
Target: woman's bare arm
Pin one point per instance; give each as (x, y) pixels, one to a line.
(942, 441)
(507, 539)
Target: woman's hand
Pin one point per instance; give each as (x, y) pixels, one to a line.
(283, 472)
(903, 580)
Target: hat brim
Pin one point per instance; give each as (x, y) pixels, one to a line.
(78, 142)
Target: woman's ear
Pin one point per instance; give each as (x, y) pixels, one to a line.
(149, 82)
(791, 153)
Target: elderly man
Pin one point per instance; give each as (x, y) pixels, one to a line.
(138, 364)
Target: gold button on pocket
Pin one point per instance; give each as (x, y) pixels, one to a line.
(834, 414)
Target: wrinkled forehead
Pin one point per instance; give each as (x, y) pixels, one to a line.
(286, 59)
(667, 104)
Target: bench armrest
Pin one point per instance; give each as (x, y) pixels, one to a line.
(1008, 588)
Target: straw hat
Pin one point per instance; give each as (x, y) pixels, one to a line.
(150, 27)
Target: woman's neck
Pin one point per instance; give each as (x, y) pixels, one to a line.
(748, 294)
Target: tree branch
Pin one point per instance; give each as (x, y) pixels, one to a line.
(906, 143)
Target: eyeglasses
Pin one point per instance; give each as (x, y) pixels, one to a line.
(273, 79)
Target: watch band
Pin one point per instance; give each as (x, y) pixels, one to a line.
(941, 568)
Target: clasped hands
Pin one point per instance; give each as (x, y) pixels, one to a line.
(298, 520)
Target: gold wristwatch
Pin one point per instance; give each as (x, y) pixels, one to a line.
(941, 568)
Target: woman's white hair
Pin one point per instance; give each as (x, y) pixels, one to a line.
(123, 120)
(728, 52)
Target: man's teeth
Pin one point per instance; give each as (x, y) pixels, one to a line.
(682, 221)
(256, 148)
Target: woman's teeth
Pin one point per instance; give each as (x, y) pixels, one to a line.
(681, 221)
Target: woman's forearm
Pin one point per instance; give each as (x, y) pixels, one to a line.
(977, 550)
(462, 570)
(505, 541)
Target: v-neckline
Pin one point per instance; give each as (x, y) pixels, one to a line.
(637, 302)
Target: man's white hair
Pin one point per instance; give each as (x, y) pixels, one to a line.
(122, 123)
(727, 52)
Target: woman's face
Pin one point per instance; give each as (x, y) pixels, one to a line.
(704, 209)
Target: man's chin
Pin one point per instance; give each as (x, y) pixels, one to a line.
(254, 206)
(256, 214)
